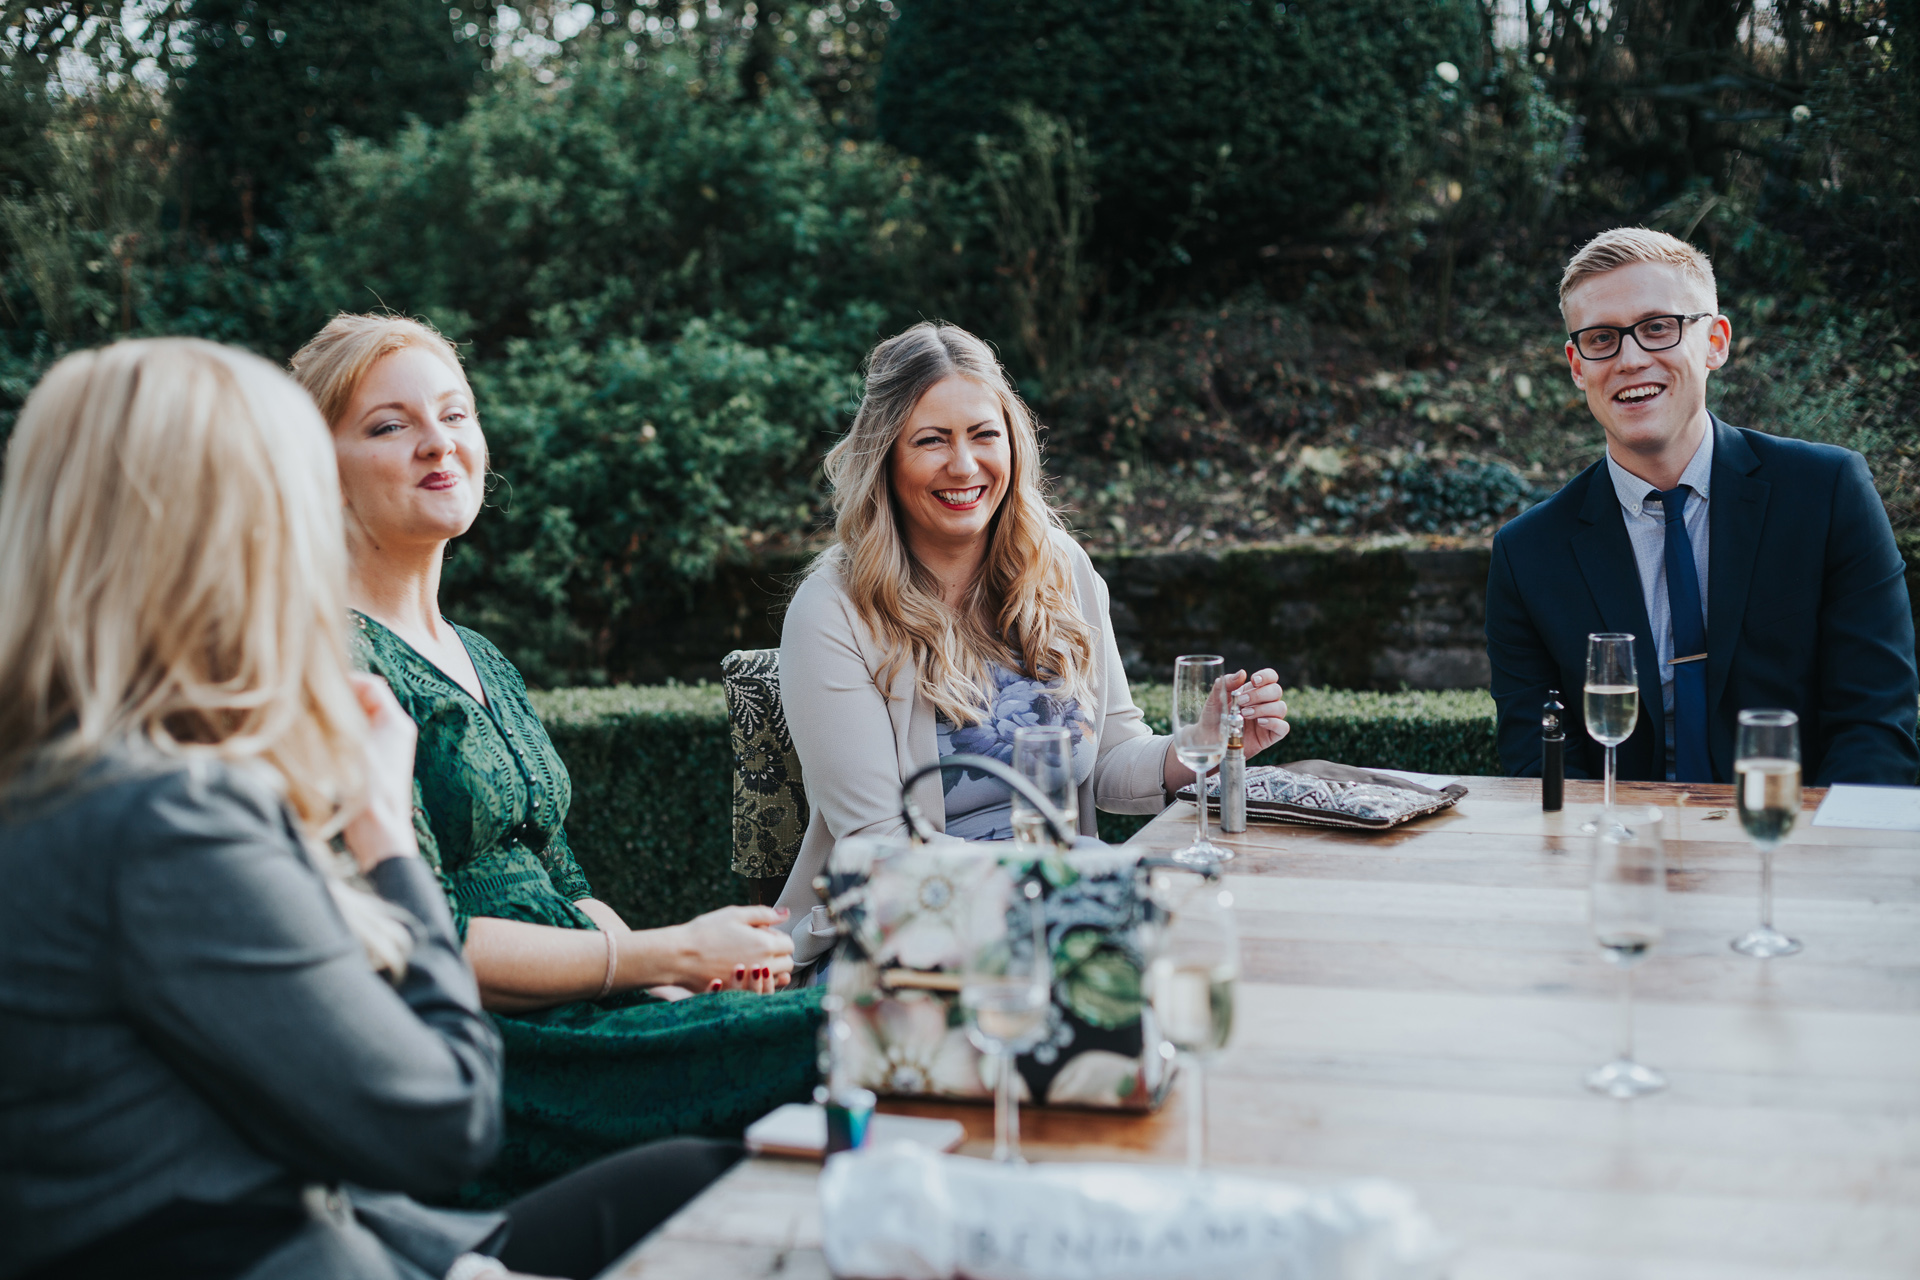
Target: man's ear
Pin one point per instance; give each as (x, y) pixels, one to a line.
(1576, 368)
(1719, 341)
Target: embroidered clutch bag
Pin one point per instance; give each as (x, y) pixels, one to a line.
(1319, 793)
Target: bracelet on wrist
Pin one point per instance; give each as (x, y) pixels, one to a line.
(613, 961)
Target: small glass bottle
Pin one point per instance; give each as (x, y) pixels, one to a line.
(1233, 776)
(1553, 753)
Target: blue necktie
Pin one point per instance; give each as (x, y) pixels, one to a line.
(1690, 763)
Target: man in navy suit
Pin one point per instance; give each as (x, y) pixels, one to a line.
(1753, 570)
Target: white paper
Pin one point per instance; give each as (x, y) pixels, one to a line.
(904, 1213)
(1438, 781)
(1870, 808)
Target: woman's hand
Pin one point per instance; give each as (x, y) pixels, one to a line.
(734, 948)
(1261, 706)
(384, 826)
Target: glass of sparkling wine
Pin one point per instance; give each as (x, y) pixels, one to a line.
(1612, 695)
(1004, 989)
(1627, 899)
(1043, 754)
(1200, 739)
(1193, 963)
(1766, 776)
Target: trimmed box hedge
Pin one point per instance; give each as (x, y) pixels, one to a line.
(652, 770)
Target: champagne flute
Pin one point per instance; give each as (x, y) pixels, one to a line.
(1766, 774)
(1193, 962)
(1004, 990)
(1043, 754)
(1612, 696)
(1200, 740)
(1627, 900)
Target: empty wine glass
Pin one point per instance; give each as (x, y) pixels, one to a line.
(1005, 988)
(1766, 774)
(1200, 740)
(1628, 904)
(1193, 962)
(1612, 696)
(1043, 754)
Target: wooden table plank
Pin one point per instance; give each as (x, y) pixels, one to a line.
(1421, 1005)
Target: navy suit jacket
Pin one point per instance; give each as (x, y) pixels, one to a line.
(1806, 609)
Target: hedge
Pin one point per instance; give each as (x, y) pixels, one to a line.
(652, 775)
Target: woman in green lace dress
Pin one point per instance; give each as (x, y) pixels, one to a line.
(606, 1044)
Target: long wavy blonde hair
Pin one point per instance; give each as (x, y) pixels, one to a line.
(1020, 610)
(174, 568)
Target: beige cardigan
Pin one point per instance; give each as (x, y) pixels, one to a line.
(856, 746)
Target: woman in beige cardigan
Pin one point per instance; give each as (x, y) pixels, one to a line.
(952, 608)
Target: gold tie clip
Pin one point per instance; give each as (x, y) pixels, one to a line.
(1692, 657)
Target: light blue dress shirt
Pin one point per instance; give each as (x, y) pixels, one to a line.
(1647, 530)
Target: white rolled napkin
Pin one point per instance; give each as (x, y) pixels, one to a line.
(906, 1213)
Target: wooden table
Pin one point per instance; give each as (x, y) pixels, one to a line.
(1422, 1004)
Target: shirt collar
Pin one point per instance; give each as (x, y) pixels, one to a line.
(1632, 490)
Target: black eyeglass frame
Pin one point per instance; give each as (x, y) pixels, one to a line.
(1633, 331)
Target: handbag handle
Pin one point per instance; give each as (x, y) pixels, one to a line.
(917, 821)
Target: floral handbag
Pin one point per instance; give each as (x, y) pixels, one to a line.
(898, 905)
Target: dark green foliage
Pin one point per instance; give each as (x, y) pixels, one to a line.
(1214, 126)
(1434, 495)
(633, 196)
(623, 476)
(652, 804)
(651, 823)
(270, 80)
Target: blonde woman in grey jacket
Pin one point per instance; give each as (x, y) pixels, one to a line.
(225, 1052)
(953, 608)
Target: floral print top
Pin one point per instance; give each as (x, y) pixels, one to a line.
(979, 807)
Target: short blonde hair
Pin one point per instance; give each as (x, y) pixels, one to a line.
(1021, 610)
(1624, 246)
(335, 359)
(174, 570)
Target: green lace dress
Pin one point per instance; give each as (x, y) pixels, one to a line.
(592, 1077)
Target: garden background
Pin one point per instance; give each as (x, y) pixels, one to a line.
(1274, 275)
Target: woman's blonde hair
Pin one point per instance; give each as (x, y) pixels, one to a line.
(174, 571)
(1020, 611)
(332, 363)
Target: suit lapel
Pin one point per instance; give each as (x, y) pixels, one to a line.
(1605, 556)
(1736, 513)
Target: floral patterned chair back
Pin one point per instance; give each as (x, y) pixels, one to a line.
(769, 804)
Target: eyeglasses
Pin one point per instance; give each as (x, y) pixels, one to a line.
(1655, 333)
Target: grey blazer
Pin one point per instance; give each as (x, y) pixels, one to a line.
(184, 1016)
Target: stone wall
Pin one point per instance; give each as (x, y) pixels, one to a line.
(1329, 612)
(1374, 614)
(1379, 615)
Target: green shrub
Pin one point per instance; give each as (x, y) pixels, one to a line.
(625, 474)
(266, 82)
(634, 195)
(652, 817)
(1214, 126)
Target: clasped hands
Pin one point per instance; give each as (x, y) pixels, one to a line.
(733, 949)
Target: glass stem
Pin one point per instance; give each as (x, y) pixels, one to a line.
(1200, 794)
(1197, 1114)
(1766, 890)
(1006, 1117)
(1609, 791)
(1626, 1015)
